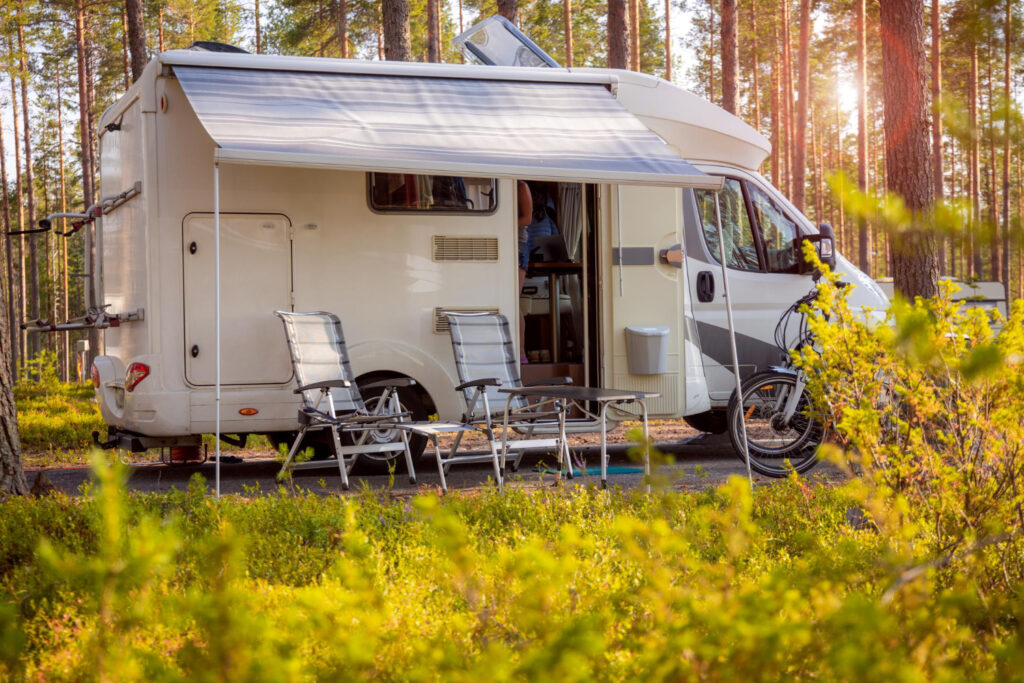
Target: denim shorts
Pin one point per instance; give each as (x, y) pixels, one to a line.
(524, 255)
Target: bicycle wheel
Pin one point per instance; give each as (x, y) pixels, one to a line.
(776, 447)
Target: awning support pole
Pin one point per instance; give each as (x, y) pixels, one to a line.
(732, 336)
(216, 312)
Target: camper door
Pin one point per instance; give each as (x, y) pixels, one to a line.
(646, 307)
(256, 280)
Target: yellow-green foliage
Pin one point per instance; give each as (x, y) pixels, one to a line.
(928, 411)
(53, 414)
(553, 585)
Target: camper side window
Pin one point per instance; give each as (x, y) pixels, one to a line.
(740, 248)
(404, 192)
(778, 233)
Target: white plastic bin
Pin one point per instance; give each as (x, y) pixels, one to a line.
(647, 350)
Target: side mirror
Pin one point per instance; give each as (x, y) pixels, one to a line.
(825, 243)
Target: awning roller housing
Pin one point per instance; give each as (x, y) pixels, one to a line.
(496, 128)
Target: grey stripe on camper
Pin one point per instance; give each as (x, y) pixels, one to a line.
(522, 129)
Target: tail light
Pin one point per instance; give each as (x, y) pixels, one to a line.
(95, 375)
(136, 373)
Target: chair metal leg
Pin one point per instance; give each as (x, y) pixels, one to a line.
(440, 464)
(497, 467)
(342, 467)
(294, 449)
(604, 445)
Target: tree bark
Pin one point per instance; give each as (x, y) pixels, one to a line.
(65, 338)
(395, 14)
(634, 35)
(787, 99)
(433, 31)
(136, 37)
(908, 166)
(756, 92)
(510, 10)
(12, 287)
(12, 475)
(30, 192)
(618, 35)
(938, 184)
(567, 30)
(1008, 99)
(668, 40)
(863, 234)
(975, 165)
(711, 51)
(993, 192)
(730, 57)
(803, 105)
(775, 118)
(126, 62)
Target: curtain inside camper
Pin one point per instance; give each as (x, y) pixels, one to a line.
(404, 124)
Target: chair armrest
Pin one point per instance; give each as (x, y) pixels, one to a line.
(486, 382)
(392, 383)
(550, 382)
(326, 384)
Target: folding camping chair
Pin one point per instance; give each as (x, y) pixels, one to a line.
(331, 398)
(486, 360)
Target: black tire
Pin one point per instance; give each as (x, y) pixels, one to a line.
(712, 422)
(380, 464)
(775, 449)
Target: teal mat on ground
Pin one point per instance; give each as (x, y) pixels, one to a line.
(612, 469)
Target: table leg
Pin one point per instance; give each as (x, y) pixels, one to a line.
(563, 442)
(647, 446)
(440, 465)
(604, 445)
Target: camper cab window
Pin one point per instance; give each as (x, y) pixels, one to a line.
(405, 192)
(740, 247)
(759, 236)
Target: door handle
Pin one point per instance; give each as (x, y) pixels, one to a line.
(705, 286)
(673, 256)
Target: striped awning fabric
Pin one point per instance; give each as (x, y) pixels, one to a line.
(496, 128)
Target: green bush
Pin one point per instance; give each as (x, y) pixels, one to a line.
(54, 415)
(551, 584)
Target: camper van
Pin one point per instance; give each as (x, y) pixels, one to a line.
(386, 193)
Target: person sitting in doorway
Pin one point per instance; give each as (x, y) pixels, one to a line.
(523, 220)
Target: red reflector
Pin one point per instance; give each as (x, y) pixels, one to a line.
(95, 375)
(136, 373)
(248, 411)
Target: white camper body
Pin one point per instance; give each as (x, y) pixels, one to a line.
(298, 235)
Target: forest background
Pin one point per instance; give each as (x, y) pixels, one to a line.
(67, 60)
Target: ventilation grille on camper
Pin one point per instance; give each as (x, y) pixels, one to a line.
(441, 325)
(465, 249)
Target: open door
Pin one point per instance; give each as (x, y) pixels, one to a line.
(256, 280)
(648, 325)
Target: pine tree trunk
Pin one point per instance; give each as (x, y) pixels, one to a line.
(567, 30)
(775, 122)
(975, 166)
(433, 32)
(730, 57)
(864, 259)
(137, 37)
(126, 64)
(259, 28)
(618, 35)
(993, 193)
(668, 40)
(787, 99)
(908, 166)
(397, 47)
(756, 92)
(22, 313)
(510, 10)
(937, 180)
(30, 192)
(711, 51)
(803, 105)
(634, 35)
(66, 292)
(12, 475)
(1008, 97)
(11, 295)
(160, 28)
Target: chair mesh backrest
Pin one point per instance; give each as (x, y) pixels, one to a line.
(483, 348)
(317, 346)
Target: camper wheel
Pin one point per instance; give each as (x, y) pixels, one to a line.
(713, 421)
(414, 400)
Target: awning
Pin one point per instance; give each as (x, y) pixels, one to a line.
(493, 128)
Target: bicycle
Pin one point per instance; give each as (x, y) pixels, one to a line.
(781, 435)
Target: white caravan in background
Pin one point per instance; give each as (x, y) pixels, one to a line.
(385, 192)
